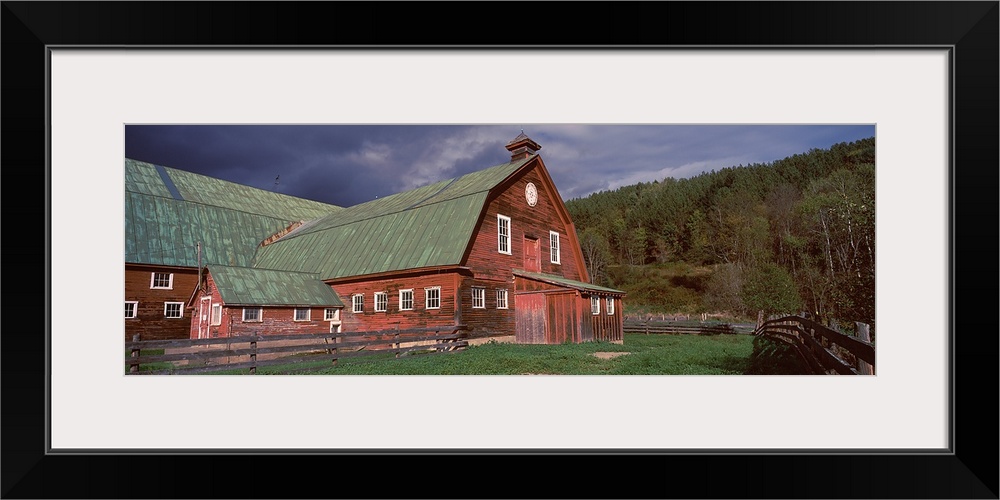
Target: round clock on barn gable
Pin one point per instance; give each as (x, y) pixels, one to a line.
(531, 194)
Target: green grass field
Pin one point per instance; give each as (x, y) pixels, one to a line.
(648, 355)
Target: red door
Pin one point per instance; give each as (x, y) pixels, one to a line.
(531, 261)
(530, 318)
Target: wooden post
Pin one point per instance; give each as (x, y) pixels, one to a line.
(863, 367)
(395, 339)
(134, 367)
(253, 356)
(760, 318)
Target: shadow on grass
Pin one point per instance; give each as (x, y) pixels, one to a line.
(771, 357)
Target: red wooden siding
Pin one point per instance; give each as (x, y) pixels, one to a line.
(488, 321)
(607, 327)
(393, 317)
(150, 322)
(525, 221)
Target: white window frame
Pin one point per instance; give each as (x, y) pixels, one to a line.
(295, 314)
(554, 247)
(503, 239)
(216, 317)
(402, 304)
(180, 309)
(610, 305)
(427, 297)
(478, 297)
(595, 305)
(170, 281)
(381, 298)
(358, 303)
(502, 298)
(135, 309)
(260, 314)
(331, 314)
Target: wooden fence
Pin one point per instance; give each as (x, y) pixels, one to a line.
(650, 326)
(249, 352)
(825, 351)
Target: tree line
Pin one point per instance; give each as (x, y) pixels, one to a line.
(794, 235)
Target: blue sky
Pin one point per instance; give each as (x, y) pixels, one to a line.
(349, 164)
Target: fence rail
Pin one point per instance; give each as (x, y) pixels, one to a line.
(825, 350)
(651, 326)
(287, 349)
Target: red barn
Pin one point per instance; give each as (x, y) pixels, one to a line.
(176, 222)
(495, 250)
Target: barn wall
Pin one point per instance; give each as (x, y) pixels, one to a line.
(393, 318)
(274, 321)
(606, 327)
(489, 321)
(150, 322)
(489, 264)
(213, 331)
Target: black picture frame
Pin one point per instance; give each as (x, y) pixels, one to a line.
(969, 470)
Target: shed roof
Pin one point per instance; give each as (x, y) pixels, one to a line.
(424, 227)
(267, 287)
(559, 280)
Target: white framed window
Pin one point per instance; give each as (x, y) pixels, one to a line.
(381, 302)
(357, 303)
(432, 298)
(553, 247)
(173, 310)
(595, 305)
(303, 314)
(163, 281)
(611, 305)
(131, 309)
(501, 299)
(331, 314)
(406, 300)
(253, 314)
(503, 234)
(216, 314)
(478, 298)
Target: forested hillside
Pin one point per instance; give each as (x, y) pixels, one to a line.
(794, 235)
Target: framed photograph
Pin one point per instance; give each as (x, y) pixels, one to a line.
(923, 73)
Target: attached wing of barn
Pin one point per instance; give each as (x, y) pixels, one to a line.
(244, 286)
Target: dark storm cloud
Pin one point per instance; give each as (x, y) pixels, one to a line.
(345, 165)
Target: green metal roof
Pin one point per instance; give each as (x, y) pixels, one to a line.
(158, 180)
(266, 287)
(168, 212)
(559, 280)
(164, 231)
(424, 227)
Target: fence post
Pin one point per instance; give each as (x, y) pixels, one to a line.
(253, 356)
(395, 338)
(336, 340)
(863, 367)
(134, 367)
(760, 318)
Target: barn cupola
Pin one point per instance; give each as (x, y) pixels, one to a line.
(522, 147)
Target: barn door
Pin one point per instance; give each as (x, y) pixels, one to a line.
(204, 317)
(530, 318)
(531, 261)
